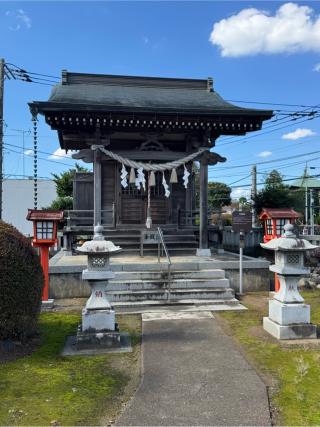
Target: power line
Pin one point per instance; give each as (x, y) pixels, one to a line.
(41, 158)
(271, 103)
(294, 117)
(242, 140)
(268, 161)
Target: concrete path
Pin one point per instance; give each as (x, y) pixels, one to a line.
(193, 375)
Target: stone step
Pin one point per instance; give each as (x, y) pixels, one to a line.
(175, 294)
(132, 242)
(160, 284)
(130, 306)
(153, 250)
(175, 274)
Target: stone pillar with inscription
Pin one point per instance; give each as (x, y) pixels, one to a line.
(98, 327)
(289, 316)
(203, 249)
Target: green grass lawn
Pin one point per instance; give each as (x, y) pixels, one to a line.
(293, 372)
(45, 387)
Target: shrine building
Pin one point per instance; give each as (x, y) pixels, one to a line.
(142, 135)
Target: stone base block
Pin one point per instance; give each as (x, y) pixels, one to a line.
(97, 339)
(47, 305)
(290, 332)
(98, 320)
(203, 252)
(288, 314)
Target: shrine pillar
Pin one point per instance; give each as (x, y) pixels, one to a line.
(97, 187)
(203, 249)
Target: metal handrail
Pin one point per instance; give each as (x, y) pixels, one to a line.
(168, 260)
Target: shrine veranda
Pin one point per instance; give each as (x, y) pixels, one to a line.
(130, 129)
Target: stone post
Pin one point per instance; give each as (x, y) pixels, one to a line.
(97, 186)
(203, 249)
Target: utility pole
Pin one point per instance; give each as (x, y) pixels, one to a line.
(253, 195)
(1, 129)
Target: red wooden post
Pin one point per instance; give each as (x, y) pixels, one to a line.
(44, 260)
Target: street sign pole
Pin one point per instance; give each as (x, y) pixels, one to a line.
(241, 246)
(241, 223)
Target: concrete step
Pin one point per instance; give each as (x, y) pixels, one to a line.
(175, 274)
(130, 306)
(175, 294)
(160, 284)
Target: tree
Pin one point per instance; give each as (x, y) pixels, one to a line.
(64, 180)
(275, 194)
(64, 187)
(244, 203)
(219, 194)
(21, 284)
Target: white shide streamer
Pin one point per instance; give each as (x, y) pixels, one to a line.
(165, 186)
(123, 176)
(185, 177)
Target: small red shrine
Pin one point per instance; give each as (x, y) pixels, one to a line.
(275, 219)
(45, 225)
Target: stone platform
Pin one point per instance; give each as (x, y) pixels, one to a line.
(193, 279)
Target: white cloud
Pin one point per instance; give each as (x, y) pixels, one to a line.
(265, 154)
(60, 154)
(28, 152)
(292, 28)
(317, 67)
(240, 192)
(19, 19)
(298, 133)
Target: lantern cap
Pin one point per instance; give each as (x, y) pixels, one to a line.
(98, 244)
(44, 215)
(289, 242)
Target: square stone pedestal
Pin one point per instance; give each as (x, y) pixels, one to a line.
(98, 320)
(98, 329)
(290, 332)
(47, 305)
(288, 314)
(97, 339)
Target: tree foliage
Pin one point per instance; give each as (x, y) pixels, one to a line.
(276, 194)
(21, 283)
(64, 180)
(219, 194)
(64, 187)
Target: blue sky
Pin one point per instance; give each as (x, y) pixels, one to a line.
(256, 53)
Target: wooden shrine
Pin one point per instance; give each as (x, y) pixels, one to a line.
(144, 119)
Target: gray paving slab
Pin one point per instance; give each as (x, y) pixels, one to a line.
(193, 375)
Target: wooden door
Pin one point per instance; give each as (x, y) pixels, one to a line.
(134, 204)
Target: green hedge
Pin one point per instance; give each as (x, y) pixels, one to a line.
(21, 283)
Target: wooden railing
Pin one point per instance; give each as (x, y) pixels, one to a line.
(84, 218)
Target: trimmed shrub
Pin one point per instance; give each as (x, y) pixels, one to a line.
(21, 283)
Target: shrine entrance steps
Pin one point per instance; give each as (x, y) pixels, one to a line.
(134, 289)
(143, 283)
(178, 242)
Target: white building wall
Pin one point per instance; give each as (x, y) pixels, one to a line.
(18, 198)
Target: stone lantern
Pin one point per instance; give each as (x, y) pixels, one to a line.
(98, 328)
(289, 316)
